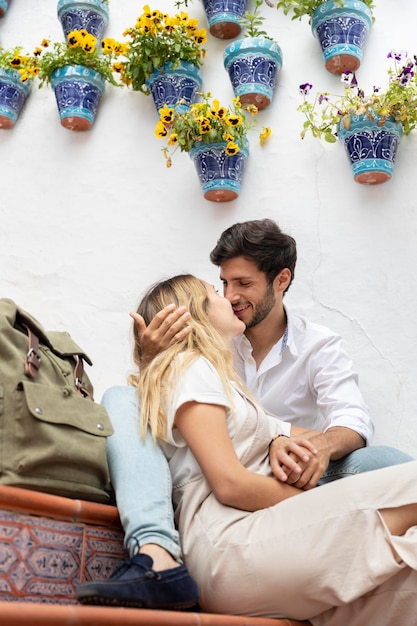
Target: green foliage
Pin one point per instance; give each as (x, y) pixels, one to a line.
(79, 49)
(298, 8)
(398, 101)
(206, 122)
(253, 22)
(25, 64)
(157, 39)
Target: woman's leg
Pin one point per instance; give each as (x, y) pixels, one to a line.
(153, 577)
(140, 477)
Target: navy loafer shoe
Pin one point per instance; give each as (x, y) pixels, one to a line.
(135, 584)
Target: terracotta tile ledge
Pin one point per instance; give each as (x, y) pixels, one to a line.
(21, 614)
(57, 507)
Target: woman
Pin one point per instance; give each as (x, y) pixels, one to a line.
(344, 553)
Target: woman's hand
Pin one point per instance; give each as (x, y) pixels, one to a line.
(293, 460)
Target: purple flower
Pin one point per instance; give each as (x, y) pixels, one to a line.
(349, 78)
(323, 98)
(406, 74)
(398, 56)
(305, 88)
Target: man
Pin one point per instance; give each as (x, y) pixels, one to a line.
(298, 370)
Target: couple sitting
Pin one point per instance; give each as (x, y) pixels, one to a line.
(256, 536)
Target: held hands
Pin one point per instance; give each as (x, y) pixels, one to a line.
(299, 461)
(167, 327)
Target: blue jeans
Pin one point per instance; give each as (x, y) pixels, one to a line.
(140, 477)
(363, 460)
(142, 482)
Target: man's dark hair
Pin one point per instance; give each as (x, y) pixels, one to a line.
(259, 241)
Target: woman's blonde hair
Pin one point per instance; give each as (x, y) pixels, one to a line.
(156, 379)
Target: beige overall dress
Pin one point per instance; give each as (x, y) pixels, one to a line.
(324, 555)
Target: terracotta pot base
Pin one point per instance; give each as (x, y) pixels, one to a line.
(225, 30)
(76, 123)
(259, 100)
(6, 122)
(372, 178)
(220, 195)
(342, 63)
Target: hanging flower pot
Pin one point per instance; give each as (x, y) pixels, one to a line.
(89, 15)
(220, 174)
(342, 33)
(13, 95)
(224, 17)
(78, 92)
(172, 84)
(4, 5)
(371, 146)
(253, 65)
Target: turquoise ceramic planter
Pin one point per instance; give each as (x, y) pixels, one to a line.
(90, 15)
(78, 92)
(220, 175)
(175, 86)
(4, 5)
(224, 17)
(371, 147)
(13, 95)
(253, 65)
(342, 33)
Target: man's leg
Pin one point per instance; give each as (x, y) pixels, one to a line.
(153, 577)
(363, 460)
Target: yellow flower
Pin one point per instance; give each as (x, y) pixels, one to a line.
(73, 39)
(266, 131)
(166, 114)
(232, 148)
(204, 123)
(160, 130)
(16, 61)
(118, 68)
(217, 111)
(172, 139)
(233, 120)
(201, 36)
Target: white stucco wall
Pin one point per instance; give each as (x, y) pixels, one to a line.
(89, 220)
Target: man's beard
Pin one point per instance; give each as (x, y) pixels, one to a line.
(263, 308)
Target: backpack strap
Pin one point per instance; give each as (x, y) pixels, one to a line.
(33, 362)
(33, 356)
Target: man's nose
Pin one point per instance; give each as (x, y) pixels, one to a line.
(230, 293)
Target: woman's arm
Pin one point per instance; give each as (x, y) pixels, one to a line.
(204, 429)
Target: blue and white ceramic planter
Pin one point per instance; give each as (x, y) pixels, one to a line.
(253, 65)
(342, 33)
(220, 175)
(224, 17)
(91, 15)
(4, 5)
(78, 92)
(13, 95)
(371, 147)
(175, 86)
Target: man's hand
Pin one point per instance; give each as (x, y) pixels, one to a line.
(298, 461)
(168, 326)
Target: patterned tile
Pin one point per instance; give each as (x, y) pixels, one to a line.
(43, 559)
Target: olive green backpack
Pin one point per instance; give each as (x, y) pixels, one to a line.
(52, 434)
